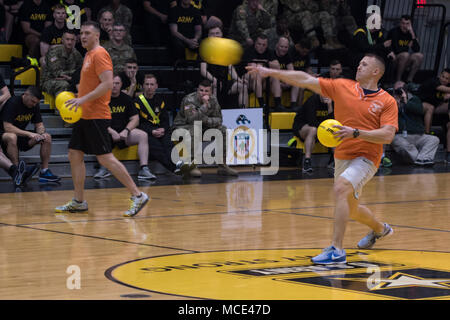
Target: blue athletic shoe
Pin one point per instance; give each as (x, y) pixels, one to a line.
(330, 255)
(48, 176)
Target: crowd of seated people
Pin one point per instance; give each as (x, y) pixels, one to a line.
(283, 34)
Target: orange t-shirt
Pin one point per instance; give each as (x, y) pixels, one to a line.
(354, 109)
(95, 63)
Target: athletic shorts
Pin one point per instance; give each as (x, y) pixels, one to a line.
(91, 136)
(357, 171)
(22, 143)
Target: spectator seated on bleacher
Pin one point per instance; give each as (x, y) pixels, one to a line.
(406, 49)
(279, 30)
(435, 94)
(154, 120)
(308, 16)
(121, 13)
(185, 25)
(335, 70)
(301, 59)
(156, 21)
(34, 16)
(369, 39)
(17, 113)
(345, 23)
(258, 54)
(284, 62)
(106, 21)
(249, 20)
(203, 106)
(132, 78)
(225, 80)
(411, 142)
(119, 51)
(52, 34)
(315, 110)
(61, 63)
(124, 132)
(11, 9)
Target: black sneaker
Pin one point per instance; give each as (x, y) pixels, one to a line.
(30, 171)
(448, 157)
(307, 166)
(18, 177)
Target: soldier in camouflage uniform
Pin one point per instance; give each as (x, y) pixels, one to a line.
(121, 14)
(341, 11)
(203, 106)
(119, 51)
(249, 20)
(308, 15)
(61, 63)
(271, 6)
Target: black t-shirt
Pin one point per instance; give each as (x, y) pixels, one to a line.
(401, 41)
(301, 62)
(159, 108)
(250, 54)
(52, 35)
(16, 113)
(37, 16)
(313, 112)
(122, 109)
(284, 60)
(185, 19)
(428, 92)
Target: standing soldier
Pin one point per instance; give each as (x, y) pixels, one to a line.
(340, 11)
(249, 20)
(61, 62)
(119, 51)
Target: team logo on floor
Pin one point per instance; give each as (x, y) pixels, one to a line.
(288, 274)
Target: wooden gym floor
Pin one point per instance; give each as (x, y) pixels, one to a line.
(249, 237)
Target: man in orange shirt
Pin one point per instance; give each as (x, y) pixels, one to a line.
(90, 134)
(368, 116)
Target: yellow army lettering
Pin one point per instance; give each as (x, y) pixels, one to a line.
(118, 109)
(185, 19)
(403, 43)
(24, 117)
(38, 16)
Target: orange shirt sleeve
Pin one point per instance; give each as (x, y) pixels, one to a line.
(328, 87)
(103, 62)
(389, 116)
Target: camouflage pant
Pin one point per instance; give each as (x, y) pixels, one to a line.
(190, 128)
(53, 87)
(309, 21)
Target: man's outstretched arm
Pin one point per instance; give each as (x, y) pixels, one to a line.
(293, 77)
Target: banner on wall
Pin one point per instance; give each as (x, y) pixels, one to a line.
(243, 130)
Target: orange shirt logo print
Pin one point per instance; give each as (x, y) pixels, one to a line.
(375, 107)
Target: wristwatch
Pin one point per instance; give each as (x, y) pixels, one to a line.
(355, 133)
(128, 130)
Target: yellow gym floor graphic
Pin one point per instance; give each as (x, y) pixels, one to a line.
(288, 274)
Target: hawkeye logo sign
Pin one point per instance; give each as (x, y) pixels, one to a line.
(289, 274)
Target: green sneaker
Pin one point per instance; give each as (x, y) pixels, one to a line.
(73, 206)
(386, 162)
